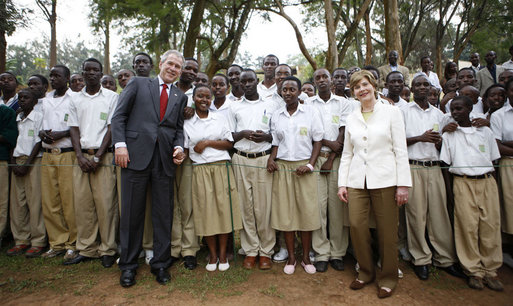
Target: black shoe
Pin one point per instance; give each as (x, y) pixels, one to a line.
(337, 264)
(77, 260)
(108, 260)
(321, 266)
(422, 272)
(162, 275)
(454, 270)
(127, 278)
(190, 262)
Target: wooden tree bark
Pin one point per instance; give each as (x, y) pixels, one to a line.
(51, 17)
(193, 30)
(443, 11)
(106, 49)
(392, 33)
(346, 40)
(368, 38)
(331, 55)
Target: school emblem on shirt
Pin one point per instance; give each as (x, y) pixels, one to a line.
(66, 118)
(265, 119)
(103, 116)
(335, 119)
(303, 131)
(482, 148)
(31, 133)
(435, 127)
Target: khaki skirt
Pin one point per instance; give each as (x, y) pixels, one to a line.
(211, 201)
(294, 205)
(506, 184)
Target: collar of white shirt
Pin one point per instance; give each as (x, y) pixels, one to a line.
(161, 81)
(84, 92)
(300, 108)
(244, 99)
(210, 116)
(30, 117)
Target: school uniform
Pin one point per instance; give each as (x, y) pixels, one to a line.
(252, 179)
(333, 116)
(223, 110)
(427, 204)
(95, 197)
(295, 198)
(501, 123)
(57, 175)
(214, 198)
(477, 109)
(470, 152)
(9, 131)
(232, 97)
(432, 78)
(266, 92)
(12, 102)
(27, 223)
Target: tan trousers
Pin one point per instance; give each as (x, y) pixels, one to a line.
(477, 225)
(427, 207)
(96, 208)
(336, 211)
(148, 225)
(57, 196)
(382, 203)
(506, 177)
(254, 186)
(4, 196)
(183, 236)
(27, 224)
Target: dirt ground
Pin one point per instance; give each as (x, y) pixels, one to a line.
(47, 282)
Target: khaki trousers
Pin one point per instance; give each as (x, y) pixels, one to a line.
(334, 210)
(27, 224)
(382, 203)
(477, 225)
(254, 185)
(96, 208)
(148, 226)
(57, 196)
(183, 236)
(427, 207)
(506, 177)
(4, 196)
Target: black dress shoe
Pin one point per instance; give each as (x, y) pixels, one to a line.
(127, 278)
(77, 260)
(190, 262)
(422, 272)
(321, 266)
(108, 261)
(162, 275)
(337, 264)
(455, 270)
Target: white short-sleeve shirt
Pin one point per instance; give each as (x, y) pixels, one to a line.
(470, 150)
(223, 110)
(293, 134)
(28, 133)
(214, 127)
(501, 123)
(92, 115)
(55, 117)
(416, 122)
(432, 78)
(265, 92)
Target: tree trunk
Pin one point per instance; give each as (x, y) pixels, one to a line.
(3, 50)
(53, 37)
(368, 38)
(392, 33)
(344, 44)
(331, 55)
(106, 55)
(194, 28)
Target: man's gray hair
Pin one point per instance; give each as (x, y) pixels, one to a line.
(169, 52)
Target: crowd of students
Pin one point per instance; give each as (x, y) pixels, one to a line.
(280, 143)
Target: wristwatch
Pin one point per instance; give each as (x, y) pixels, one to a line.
(96, 159)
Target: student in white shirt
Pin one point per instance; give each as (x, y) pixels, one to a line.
(395, 84)
(267, 87)
(425, 63)
(207, 139)
(470, 152)
(220, 87)
(94, 180)
(233, 74)
(297, 133)
(27, 224)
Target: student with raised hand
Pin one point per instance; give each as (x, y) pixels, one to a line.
(470, 152)
(296, 142)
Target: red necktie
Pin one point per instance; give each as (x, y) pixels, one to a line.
(163, 101)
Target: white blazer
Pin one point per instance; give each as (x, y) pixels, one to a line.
(375, 151)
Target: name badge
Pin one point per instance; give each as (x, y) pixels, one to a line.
(435, 127)
(482, 148)
(103, 116)
(303, 131)
(31, 133)
(265, 119)
(335, 119)
(66, 118)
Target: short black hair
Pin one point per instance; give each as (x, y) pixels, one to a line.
(27, 90)
(248, 70)
(235, 65)
(487, 92)
(92, 59)
(224, 76)
(469, 69)
(293, 78)
(337, 69)
(67, 73)
(417, 77)
(468, 102)
(424, 57)
(191, 59)
(13, 75)
(198, 87)
(142, 53)
(272, 55)
(370, 67)
(394, 72)
(42, 78)
(285, 65)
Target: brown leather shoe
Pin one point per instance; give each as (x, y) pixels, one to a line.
(382, 293)
(249, 262)
(265, 263)
(357, 284)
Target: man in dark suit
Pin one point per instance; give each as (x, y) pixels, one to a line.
(147, 130)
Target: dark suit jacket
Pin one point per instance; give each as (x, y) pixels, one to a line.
(136, 122)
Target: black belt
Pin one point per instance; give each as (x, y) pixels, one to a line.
(57, 150)
(475, 177)
(254, 155)
(93, 151)
(428, 163)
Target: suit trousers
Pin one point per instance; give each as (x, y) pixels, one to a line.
(477, 230)
(253, 185)
(382, 203)
(27, 223)
(57, 196)
(133, 192)
(427, 208)
(335, 211)
(96, 208)
(4, 196)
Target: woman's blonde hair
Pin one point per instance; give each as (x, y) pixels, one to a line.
(360, 75)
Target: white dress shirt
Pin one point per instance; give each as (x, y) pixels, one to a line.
(508, 64)
(232, 98)
(293, 134)
(28, 133)
(477, 109)
(265, 92)
(55, 117)
(432, 78)
(501, 123)
(470, 150)
(214, 127)
(223, 110)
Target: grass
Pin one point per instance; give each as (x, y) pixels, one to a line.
(272, 291)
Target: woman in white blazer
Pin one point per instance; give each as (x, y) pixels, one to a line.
(374, 174)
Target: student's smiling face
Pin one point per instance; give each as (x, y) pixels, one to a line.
(202, 99)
